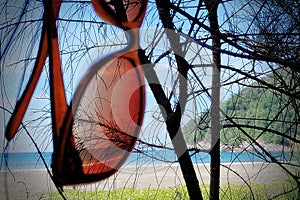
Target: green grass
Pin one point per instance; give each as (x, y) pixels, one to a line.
(260, 192)
(232, 192)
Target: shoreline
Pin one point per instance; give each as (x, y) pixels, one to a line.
(36, 183)
(20, 170)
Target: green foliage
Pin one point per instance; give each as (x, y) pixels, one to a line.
(195, 131)
(267, 115)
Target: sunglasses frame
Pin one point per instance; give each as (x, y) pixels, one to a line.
(61, 113)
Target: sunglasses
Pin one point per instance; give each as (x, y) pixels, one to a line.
(95, 134)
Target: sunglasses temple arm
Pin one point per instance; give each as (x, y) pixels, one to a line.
(22, 104)
(57, 92)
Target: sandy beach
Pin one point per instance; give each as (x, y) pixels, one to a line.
(35, 184)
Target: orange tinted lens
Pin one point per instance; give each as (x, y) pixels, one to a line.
(106, 123)
(123, 13)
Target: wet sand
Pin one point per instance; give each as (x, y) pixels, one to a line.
(36, 184)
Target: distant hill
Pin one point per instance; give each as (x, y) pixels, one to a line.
(263, 113)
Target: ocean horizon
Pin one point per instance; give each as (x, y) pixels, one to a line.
(32, 160)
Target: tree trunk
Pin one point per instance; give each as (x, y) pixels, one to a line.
(173, 119)
(212, 7)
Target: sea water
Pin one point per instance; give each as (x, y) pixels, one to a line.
(33, 160)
